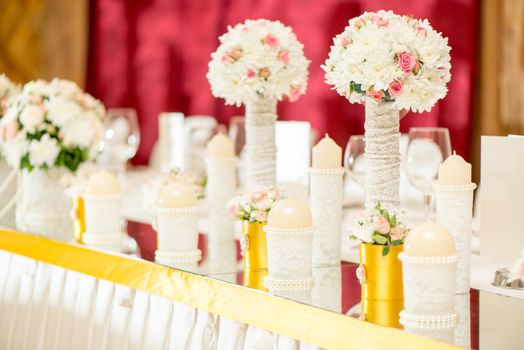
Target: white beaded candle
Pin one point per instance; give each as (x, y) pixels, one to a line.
(429, 265)
(289, 248)
(326, 193)
(102, 208)
(177, 226)
(454, 202)
(221, 186)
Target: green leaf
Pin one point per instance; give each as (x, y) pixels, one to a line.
(380, 239)
(385, 251)
(393, 221)
(25, 163)
(397, 242)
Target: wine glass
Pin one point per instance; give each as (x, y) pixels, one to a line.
(427, 148)
(355, 160)
(121, 138)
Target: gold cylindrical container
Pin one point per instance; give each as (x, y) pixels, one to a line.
(79, 218)
(255, 254)
(381, 282)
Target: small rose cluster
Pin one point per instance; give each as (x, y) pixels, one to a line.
(390, 58)
(379, 227)
(258, 59)
(255, 206)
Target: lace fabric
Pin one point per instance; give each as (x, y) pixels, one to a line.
(177, 232)
(260, 144)
(326, 209)
(221, 187)
(382, 155)
(103, 215)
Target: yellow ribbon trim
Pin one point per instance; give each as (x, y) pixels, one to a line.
(79, 223)
(305, 323)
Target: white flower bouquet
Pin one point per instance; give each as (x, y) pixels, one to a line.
(258, 58)
(255, 206)
(7, 90)
(379, 227)
(51, 125)
(390, 58)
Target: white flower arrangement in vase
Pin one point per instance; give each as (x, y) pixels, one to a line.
(7, 90)
(258, 63)
(51, 128)
(254, 207)
(389, 63)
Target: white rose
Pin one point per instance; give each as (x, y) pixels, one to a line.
(61, 111)
(14, 149)
(31, 117)
(44, 151)
(78, 132)
(363, 232)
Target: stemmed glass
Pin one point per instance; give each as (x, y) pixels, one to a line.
(427, 148)
(121, 138)
(355, 160)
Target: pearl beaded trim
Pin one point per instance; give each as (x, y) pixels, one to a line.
(178, 257)
(455, 188)
(428, 259)
(427, 321)
(327, 171)
(289, 231)
(289, 285)
(177, 210)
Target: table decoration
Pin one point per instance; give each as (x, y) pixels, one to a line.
(382, 235)
(327, 291)
(429, 264)
(463, 327)
(454, 202)
(221, 186)
(290, 250)
(258, 63)
(326, 192)
(176, 223)
(103, 212)
(252, 209)
(389, 63)
(54, 127)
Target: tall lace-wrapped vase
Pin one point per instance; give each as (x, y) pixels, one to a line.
(7, 194)
(261, 116)
(382, 154)
(42, 206)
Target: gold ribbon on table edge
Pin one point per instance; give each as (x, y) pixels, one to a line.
(79, 220)
(381, 282)
(254, 248)
(298, 321)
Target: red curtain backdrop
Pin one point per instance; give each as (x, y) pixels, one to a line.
(153, 54)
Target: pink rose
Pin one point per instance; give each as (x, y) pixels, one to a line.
(271, 41)
(264, 72)
(261, 215)
(232, 209)
(396, 88)
(422, 30)
(11, 130)
(284, 56)
(235, 54)
(345, 41)
(294, 94)
(359, 22)
(36, 98)
(398, 233)
(377, 95)
(379, 21)
(407, 61)
(381, 225)
(250, 73)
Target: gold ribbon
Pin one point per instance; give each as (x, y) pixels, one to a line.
(382, 291)
(79, 222)
(255, 254)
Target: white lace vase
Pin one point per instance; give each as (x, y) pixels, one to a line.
(326, 208)
(261, 116)
(177, 230)
(7, 194)
(221, 187)
(42, 207)
(289, 255)
(454, 206)
(327, 291)
(382, 155)
(463, 329)
(103, 219)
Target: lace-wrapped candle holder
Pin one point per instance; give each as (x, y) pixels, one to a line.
(103, 221)
(429, 264)
(327, 291)
(462, 330)
(261, 115)
(454, 211)
(326, 209)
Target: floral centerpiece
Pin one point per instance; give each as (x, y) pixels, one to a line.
(258, 63)
(389, 63)
(253, 207)
(51, 128)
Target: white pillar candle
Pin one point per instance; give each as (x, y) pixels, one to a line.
(102, 208)
(221, 186)
(454, 171)
(327, 154)
(289, 249)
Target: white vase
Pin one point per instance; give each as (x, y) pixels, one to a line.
(7, 194)
(383, 155)
(42, 206)
(261, 150)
